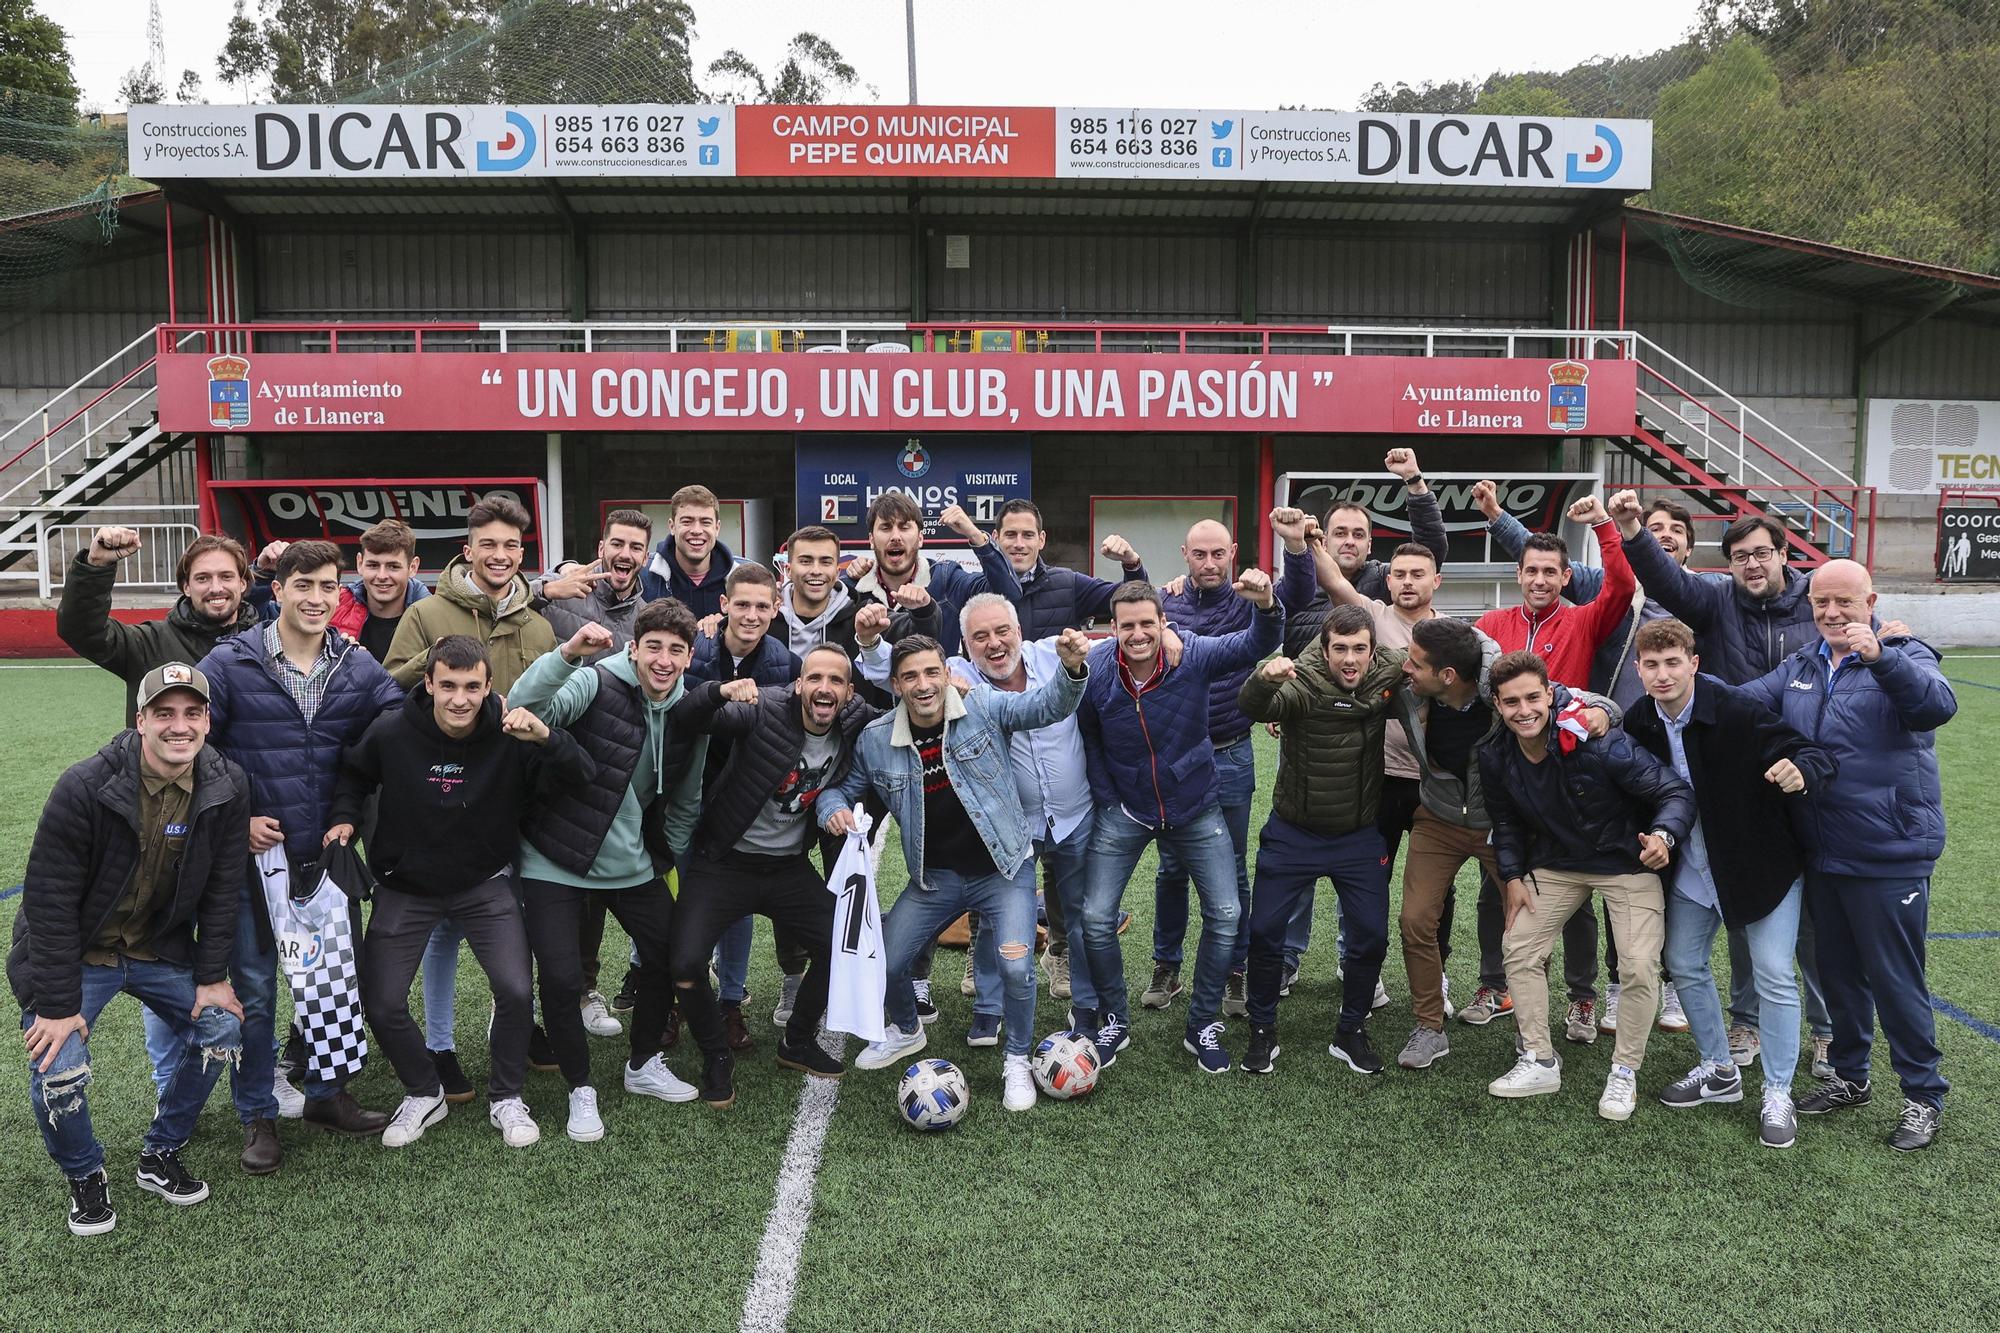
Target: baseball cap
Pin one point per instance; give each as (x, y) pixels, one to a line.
(171, 676)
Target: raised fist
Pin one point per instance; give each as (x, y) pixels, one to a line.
(960, 522)
(1402, 462)
(1073, 646)
(1624, 507)
(589, 640)
(1117, 548)
(110, 545)
(1255, 586)
(709, 624)
(909, 597)
(1289, 525)
(870, 623)
(1588, 511)
(1280, 668)
(267, 559)
(740, 691)
(1487, 496)
(524, 725)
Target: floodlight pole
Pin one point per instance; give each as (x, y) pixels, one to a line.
(910, 42)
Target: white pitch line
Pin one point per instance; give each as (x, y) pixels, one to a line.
(49, 666)
(767, 1306)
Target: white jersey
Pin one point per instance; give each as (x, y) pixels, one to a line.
(859, 971)
(318, 952)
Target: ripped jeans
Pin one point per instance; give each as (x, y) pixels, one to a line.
(61, 1104)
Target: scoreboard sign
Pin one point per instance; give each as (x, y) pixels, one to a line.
(839, 476)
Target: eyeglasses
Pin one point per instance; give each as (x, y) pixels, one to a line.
(1758, 556)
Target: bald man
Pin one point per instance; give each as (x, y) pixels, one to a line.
(1872, 837)
(1204, 602)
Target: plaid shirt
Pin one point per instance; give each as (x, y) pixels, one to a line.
(307, 688)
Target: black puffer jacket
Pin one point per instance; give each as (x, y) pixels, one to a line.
(1330, 752)
(767, 737)
(1611, 792)
(129, 651)
(86, 851)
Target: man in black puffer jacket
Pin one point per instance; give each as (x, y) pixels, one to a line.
(749, 850)
(1572, 817)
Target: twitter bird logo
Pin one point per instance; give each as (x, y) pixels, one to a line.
(708, 126)
(1221, 128)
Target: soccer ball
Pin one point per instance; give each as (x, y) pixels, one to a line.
(1065, 1065)
(933, 1095)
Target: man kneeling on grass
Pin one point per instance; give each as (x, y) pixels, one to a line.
(1572, 817)
(454, 778)
(131, 886)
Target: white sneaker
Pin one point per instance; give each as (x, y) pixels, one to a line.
(1528, 1078)
(597, 1019)
(291, 1102)
(1621, 1094)
(1448, 1010)
(1673, 1018)
(585, 1126)
(1607, 1017)
(895, 1045)
(1020, 1084)
(654, 1079)
(1381, 999)
(788, 1000)
(411, 1119)
(517, 1128)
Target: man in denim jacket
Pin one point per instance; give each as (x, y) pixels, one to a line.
(942, 765)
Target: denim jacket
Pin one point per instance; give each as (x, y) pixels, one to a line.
(977, 758)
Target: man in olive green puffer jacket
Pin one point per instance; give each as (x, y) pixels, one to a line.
(1334, 705)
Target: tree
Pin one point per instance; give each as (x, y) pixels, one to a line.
(1709, 133)
(189, 89)
(141, 87)
(1449, 98)
(316, 47)
(811, 70)
(245, 55)
(1519, 97)
(34, 58)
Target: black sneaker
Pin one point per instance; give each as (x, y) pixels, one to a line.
(1834, 1094)
(1287, 981)
(627, 997)
(1704, 1084)
(1918, 1128)
(1263, 1050)
(165, 1175)
(90, 1205)
(541, 1055)
(926, 1011)
(292, 1061)
(810, 1058)
(457, 1087)
(718, 1080)
(1354, 1050)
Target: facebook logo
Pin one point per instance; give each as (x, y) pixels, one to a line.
(1222, 157)
(710, 155)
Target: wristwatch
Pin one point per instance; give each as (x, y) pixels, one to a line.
(1666, 837)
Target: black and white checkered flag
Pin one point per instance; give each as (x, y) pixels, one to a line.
(318, 951)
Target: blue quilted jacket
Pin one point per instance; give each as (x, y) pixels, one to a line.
(292, 767)
(1055, 598)
(1150, 752)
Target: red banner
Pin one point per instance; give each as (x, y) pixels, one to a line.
(450, 391)
(895, 141)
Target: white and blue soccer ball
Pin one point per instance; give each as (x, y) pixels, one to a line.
(1065, 1065)
(933, 1095)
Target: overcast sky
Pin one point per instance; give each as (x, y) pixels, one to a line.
(1160, 53)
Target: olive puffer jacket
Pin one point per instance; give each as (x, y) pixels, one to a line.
(1330, 752)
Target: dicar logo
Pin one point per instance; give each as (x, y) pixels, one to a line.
(514, 148)
(1601, 163)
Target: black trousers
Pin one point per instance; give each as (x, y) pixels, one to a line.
(554, 915)
(399, 930)
(718, 891)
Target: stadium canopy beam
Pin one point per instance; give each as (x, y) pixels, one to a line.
(1247, 257)
(579, 251)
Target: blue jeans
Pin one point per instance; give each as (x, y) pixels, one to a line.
(440, 970)
(1871, 953)
(1204, 845)
(1770, 943)
(1743, 990)
(732, 961)
(1008, 908)
(1290, 861)
(1063, 878)
(203, 1046)
(1235, 785)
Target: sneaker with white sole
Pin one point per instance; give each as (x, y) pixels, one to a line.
(164, 1174)
(1113, 1035)
(788, 999)
(968, 985)
(1580, 1022)
(1166, 985)
(1381, 999)
(90, 1212)
(891, 1050)
(1744, 1043)
(291, 1102)
(1673, 1018)
(1621, 1094)
(1445, 986)
(1528, 1078)
(1020, 1094)
(1236, 996)
(1488, 1003)
(1059, 985)
(517, 1128)
(1424, 1049)
(1607, 1018)
(1205, 1045)
(1704, 1084)
(985, 1030)
(1917, 1128)
(654, 1079)
(597, 1019)
(1822, 1064)
(926, 1011)
(1778, 1126)
(412, 1118)
(585, 1125)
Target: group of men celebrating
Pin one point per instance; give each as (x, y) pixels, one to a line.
(668, 734)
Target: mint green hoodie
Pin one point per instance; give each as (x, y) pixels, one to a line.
(559, 693)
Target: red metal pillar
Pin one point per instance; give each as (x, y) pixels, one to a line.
(1621, 272)
(1266, 480)
(172, 318)
(204, 472)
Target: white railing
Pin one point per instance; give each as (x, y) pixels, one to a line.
(164, 532)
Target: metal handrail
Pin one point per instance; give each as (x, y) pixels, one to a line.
(1756, 478)
(85, 378)
(1744, 411)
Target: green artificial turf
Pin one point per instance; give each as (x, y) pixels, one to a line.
(1167, 1200)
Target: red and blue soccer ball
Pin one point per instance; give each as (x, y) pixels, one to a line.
(1065, 1065)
